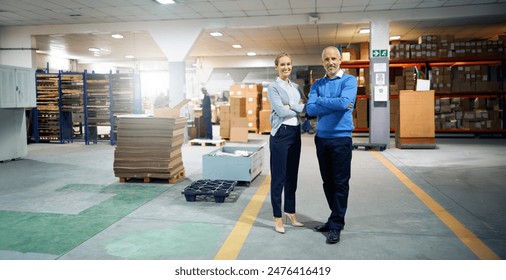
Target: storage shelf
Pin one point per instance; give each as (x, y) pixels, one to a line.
(433, 61)
(495, 92)
(72, 106)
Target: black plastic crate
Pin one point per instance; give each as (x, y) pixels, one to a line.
(220, 189)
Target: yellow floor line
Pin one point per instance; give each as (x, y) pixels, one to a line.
(465, 235)
(233, 244)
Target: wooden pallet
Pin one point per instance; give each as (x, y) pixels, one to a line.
(206, 142)
(178, 177)
(171, 180)
(415, 142)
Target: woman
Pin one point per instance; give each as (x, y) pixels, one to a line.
(284, 142)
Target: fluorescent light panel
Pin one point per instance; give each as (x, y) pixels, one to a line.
(165, 2)
(364, 30)
(216, 34)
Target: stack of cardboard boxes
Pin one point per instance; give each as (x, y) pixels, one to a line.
(445, 46)
(467, 113)
(442, 78)
(409, 74)
(255, 99)
(253, 105)
(149, 147)
(264, 123)
(234, 120)
(361, 112)
(225, 117)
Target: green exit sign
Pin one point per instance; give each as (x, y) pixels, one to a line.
(379, 53)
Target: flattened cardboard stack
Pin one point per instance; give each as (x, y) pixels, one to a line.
(149, 147)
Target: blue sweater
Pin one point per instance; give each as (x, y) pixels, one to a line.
(332, 100)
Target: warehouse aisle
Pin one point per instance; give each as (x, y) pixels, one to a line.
(63, 202)
(386, 220)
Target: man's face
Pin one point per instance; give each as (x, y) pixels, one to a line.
(331, 61)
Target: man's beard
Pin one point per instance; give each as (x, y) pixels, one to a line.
(333, 71)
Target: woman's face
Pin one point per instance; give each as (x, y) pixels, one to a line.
(284, 67)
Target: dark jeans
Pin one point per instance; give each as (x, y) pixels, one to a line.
(334, 158)
(285, 156)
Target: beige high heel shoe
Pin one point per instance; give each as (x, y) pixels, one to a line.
(293, 220)
(278, 225)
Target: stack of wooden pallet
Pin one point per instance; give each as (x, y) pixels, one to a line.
(149, 147)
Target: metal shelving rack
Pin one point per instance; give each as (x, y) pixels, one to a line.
(47, 113)
(72, 99)
(98, 107)
(427, 63)
(122, 98)
(71, 106)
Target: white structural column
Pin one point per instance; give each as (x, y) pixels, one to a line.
(379, 107)
(177, 80)
(175, 39)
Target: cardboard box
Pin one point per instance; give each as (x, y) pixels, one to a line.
(361, 109)
(364, 51)
(174, 112)
(239, 134)
(225, 129)
(264, 123)
(416, 112)
(239, 122)
(224, 113)
(237, 106)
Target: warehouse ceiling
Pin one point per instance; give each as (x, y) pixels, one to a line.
(301, 39)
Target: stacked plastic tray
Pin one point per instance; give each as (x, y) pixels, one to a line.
(220, 189)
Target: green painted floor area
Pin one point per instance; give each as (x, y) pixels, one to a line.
(183, 241)
(57, 234)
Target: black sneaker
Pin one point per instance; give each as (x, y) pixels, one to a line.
(333, 236)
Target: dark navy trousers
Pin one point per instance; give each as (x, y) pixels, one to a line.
(209, 127)
(285, 156)
(334, 158)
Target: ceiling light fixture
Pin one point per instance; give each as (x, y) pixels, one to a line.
(165, 2)
(236, 46)
(364, 31)
(117, 36)
(94, 49)
(216, 34)
(251, 53)
(395, 37)
(129, 56)
(314, 18)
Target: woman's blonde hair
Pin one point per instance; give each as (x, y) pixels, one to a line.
(279, 56)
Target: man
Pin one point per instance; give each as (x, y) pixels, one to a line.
(206, 113)
(331, 98)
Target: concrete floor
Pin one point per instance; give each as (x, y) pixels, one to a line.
(63, 202)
